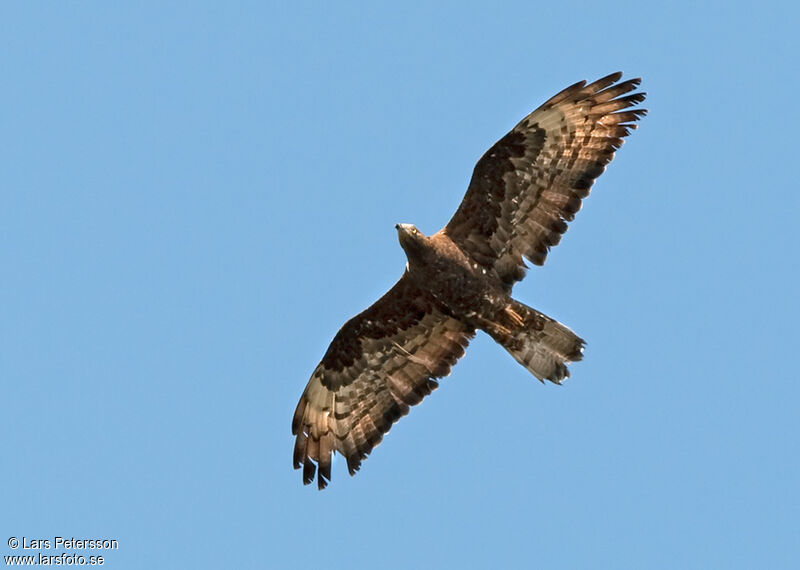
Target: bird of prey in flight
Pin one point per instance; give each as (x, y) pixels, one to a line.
(522, 194)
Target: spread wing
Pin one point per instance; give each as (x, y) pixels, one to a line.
(380, 363)
(527, 187)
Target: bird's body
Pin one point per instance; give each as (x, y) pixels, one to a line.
(465, 291)
(439, 267)
(523, 192)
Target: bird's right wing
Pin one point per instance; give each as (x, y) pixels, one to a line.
(381, 362)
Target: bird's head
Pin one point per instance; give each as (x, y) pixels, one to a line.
(411, 239)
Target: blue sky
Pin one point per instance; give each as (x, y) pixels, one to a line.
(196, 197)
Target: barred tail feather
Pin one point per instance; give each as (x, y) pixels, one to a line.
(542, 345)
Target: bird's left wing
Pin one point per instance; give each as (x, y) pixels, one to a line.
(527, 187)
(381, 362)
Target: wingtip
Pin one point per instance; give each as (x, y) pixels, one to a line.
(309, 469)
(566, 92)
(603, 82)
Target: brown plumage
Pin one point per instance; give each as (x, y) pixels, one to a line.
(523, 192)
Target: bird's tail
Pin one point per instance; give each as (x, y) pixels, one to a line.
(542, 345)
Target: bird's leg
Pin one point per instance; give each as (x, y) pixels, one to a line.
(515, 316)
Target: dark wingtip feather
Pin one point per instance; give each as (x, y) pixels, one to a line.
(577, 350)
(324, 462)
(353, 464)
(299, 450)
(298, 415)
(615, 90)
(604, 82)
(564, 93)
(308, 471)
(634, 98)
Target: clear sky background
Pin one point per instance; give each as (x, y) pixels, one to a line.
(195, 197)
